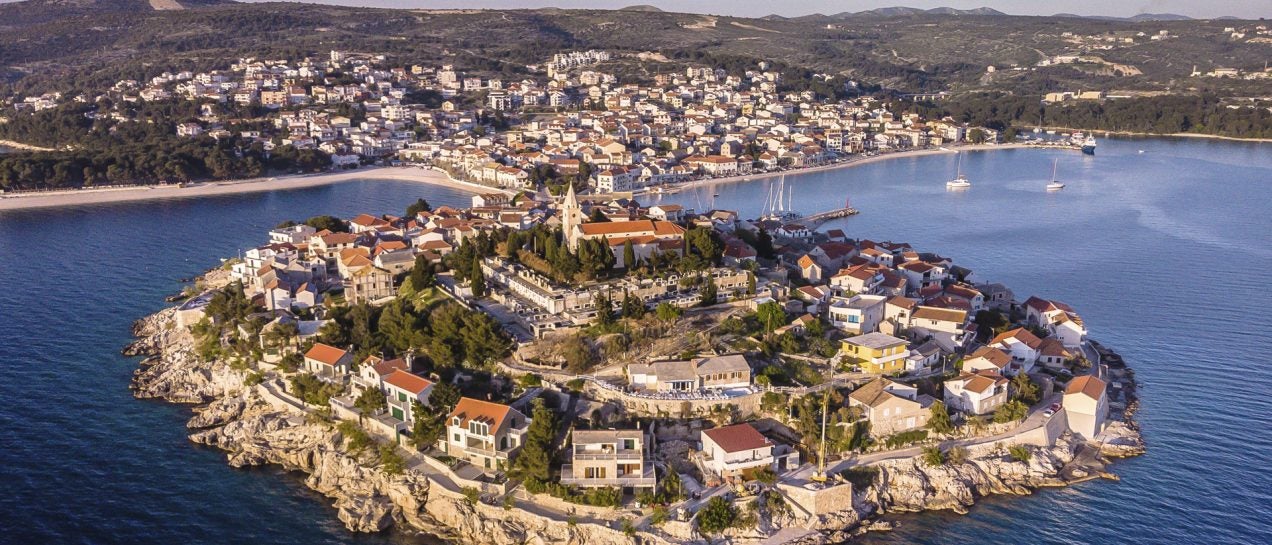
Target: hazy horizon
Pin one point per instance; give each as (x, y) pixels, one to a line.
(1245, 9)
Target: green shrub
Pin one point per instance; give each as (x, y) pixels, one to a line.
(1020, 453)
(391, 461)
(313, 391)
(932, 456)
(861, 477)
(1010, 411)
(717, 516)
(356, 438)
(766, 476)
(659, 516)
(471, 495)
(905, 438)
(253, 379)
(596, 497)
(530, 380)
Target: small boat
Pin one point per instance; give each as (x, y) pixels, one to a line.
(1088, 145)
(1141, 151)
(960, 180)
(1054, 185)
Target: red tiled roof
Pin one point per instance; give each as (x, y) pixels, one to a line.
(469, 409)
(737, 438)
(1020, 334)
(408, 381)
(1086, 385)
(325, 353)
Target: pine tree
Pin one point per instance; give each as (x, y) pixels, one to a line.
(629, 255)
(709, 293)
(478, 280)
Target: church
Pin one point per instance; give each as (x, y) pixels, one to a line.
(647, 236)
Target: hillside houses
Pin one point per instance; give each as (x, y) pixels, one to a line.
(359, 109)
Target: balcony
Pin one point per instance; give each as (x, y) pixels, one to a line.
(483, 448)
(620, 454)
(644, 479)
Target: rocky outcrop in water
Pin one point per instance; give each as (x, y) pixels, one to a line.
(911, 485)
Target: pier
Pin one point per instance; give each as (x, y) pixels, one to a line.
(822, 217)
(815, 220)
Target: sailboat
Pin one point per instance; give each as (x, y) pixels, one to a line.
(960, 180)
(775, 208)
(1055, 184)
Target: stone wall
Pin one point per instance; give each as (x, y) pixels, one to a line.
(818, 502)
(746, 405)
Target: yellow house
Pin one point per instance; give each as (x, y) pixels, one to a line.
(876, 352)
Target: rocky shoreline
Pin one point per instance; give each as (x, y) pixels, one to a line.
(256, 426)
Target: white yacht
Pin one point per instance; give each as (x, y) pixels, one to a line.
(960, 180)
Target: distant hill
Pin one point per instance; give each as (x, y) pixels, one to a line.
(902, 11)
(72, 45)
(31, 12)
(1141, 18)
(642, 7)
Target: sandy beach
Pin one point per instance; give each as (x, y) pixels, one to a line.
(106, 194)
(856, 161)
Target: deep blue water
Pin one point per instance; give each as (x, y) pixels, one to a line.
(1167, 254)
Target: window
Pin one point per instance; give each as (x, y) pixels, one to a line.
(401, 397)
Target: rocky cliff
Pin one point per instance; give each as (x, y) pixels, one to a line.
(255, 427)
(911, 485)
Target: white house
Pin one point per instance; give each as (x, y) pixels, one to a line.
(328, 362)
(1058, 319)
(980, 392)
(402, 389)
(1086, 406)
(858, 314)
(483, 433)
(1023, 347)
(730, 450)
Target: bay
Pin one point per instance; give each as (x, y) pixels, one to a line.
(1166, 253)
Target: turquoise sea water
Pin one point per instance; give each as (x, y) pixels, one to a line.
(1167, 254)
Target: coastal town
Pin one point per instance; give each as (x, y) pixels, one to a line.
(575, 122)
(590, 369)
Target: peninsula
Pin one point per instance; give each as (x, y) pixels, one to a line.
(585, 370)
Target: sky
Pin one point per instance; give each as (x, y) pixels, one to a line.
(1245, 9)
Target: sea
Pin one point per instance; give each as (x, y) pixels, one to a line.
(1163, 245)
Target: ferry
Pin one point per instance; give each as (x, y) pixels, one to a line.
(1088, 145)
(960, 180)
